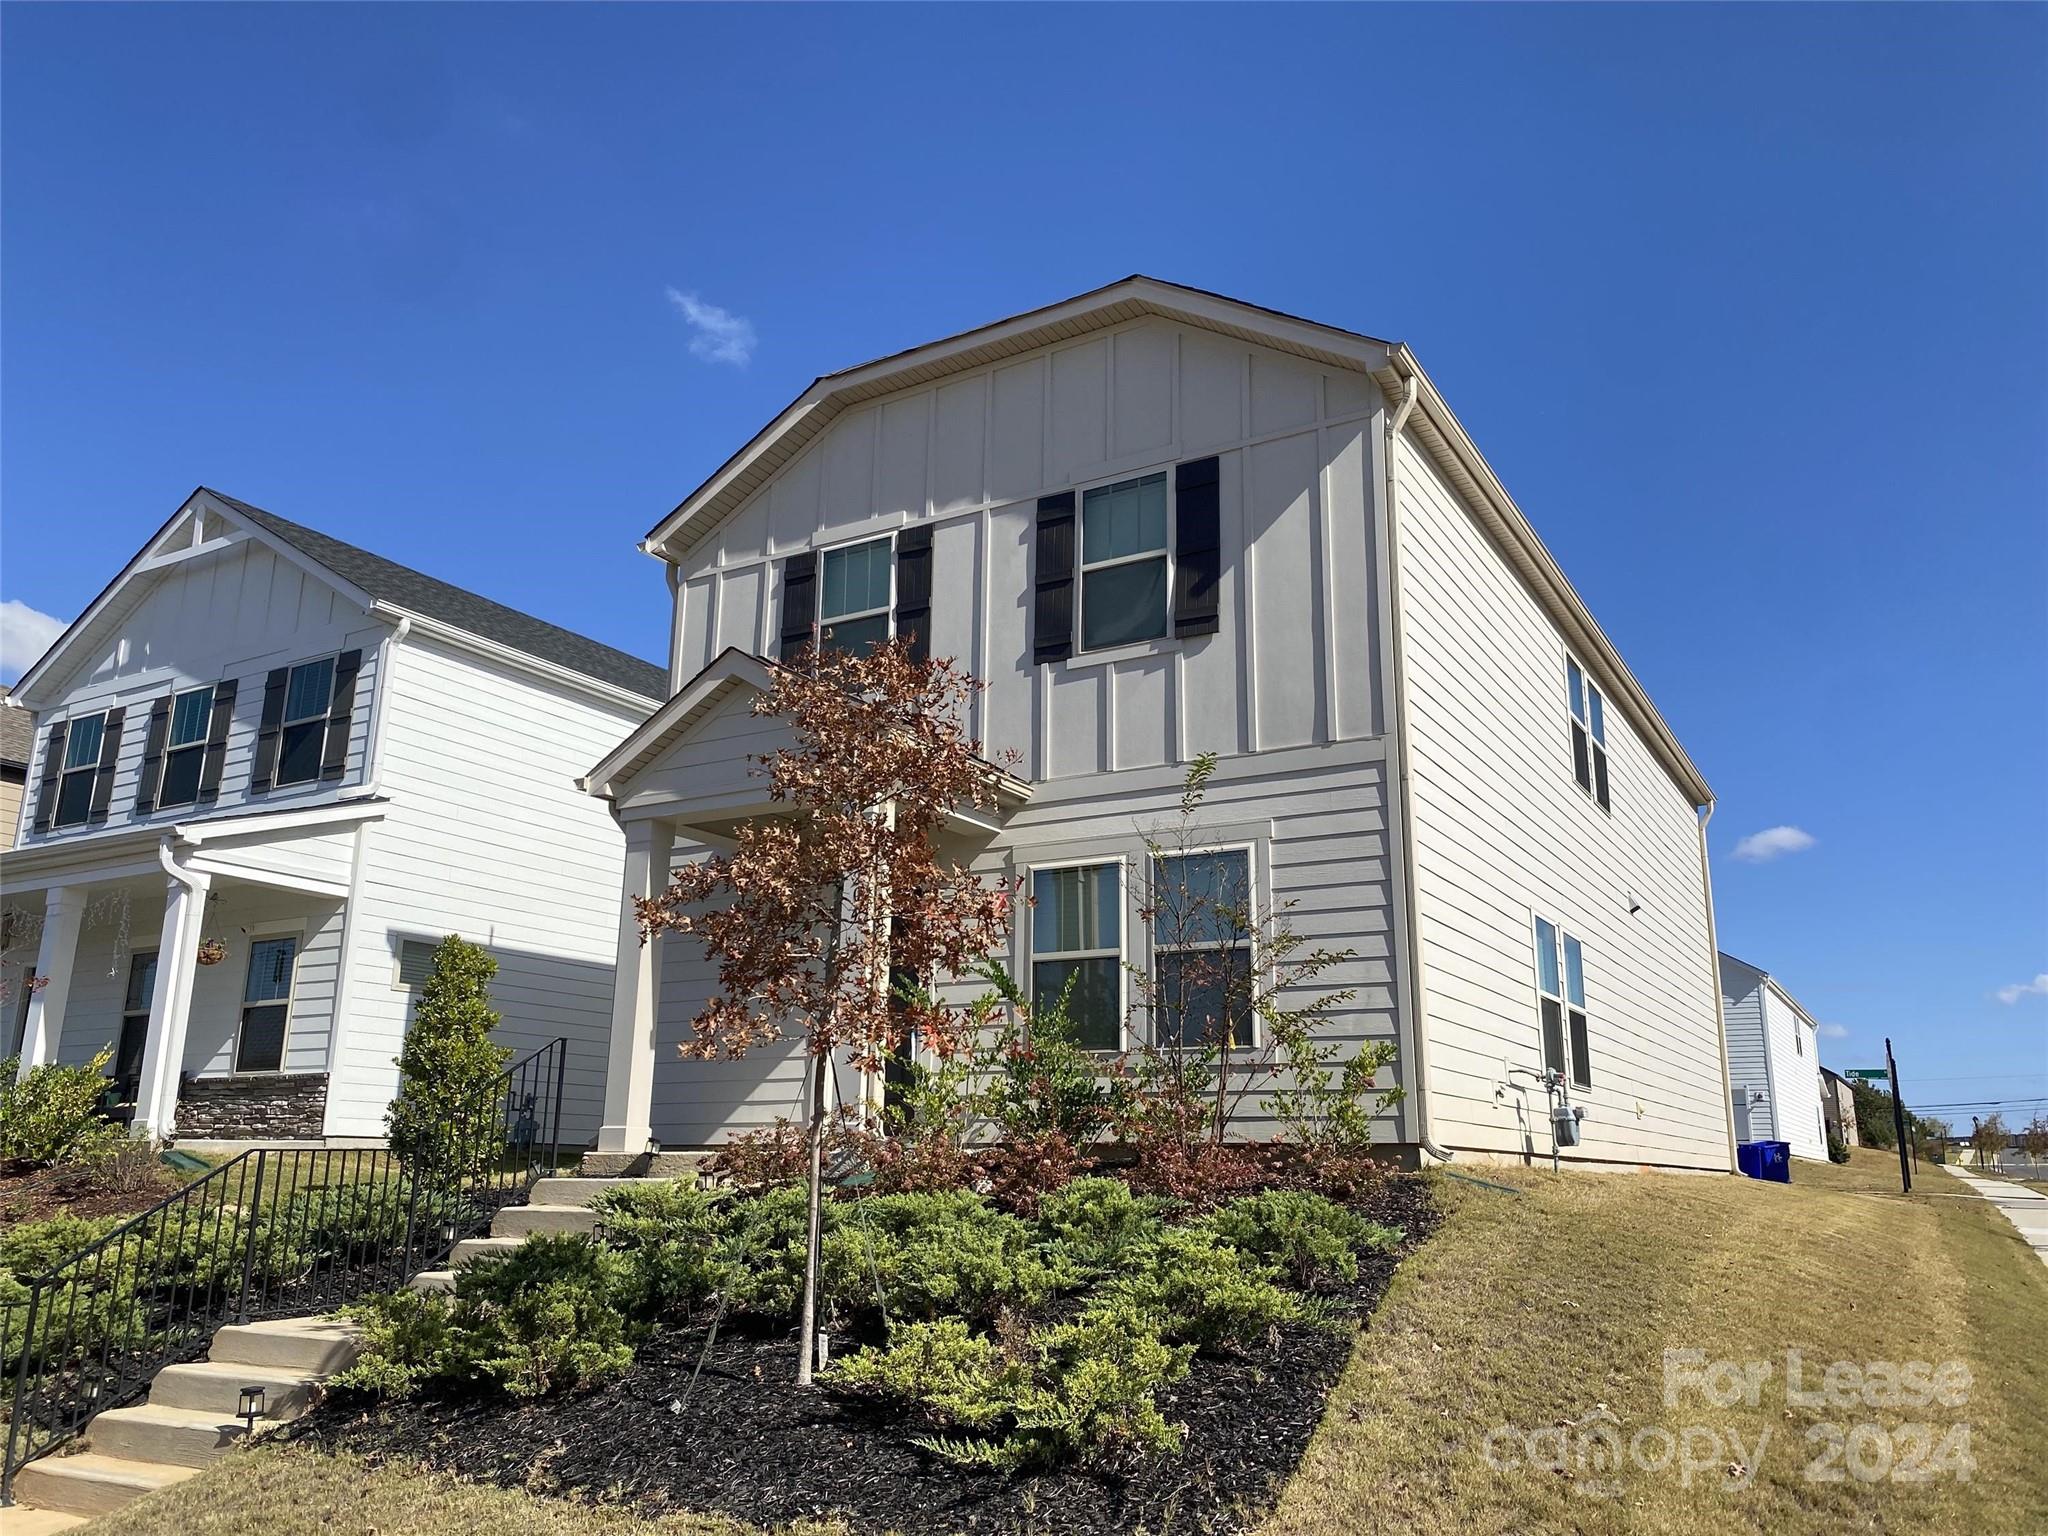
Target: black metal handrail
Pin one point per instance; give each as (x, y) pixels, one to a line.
(273, 1232)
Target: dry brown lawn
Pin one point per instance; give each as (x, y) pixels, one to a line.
(1545, 1310)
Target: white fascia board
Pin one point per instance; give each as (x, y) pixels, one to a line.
(518, 660)
(304, 885)
(343, 813)
(728, 666)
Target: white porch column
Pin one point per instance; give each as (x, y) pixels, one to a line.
(629, 1072)
(63, 912)
(170, 1005)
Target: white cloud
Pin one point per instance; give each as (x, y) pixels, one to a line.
(2038, 987)
(1833, 1031)
(1762, 847)
(717, 335)
(24, 635)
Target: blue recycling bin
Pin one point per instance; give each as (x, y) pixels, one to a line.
(1768, 1160)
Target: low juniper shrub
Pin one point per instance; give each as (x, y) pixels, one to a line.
(1310, 1237)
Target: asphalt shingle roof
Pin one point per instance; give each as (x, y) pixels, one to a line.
(17, 735)
(404, 587)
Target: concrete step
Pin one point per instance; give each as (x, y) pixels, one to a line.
(579, 1191)
(523, 1220)
(215, 1386)
(434, 1280)
(178, 1437)
(23, 1521)
(91, 1484)
(319, 1346)
(657, 1165)
(471, 1248)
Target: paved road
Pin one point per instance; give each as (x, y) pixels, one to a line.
(2026, 1209)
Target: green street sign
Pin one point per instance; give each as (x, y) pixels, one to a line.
(1868, 1074)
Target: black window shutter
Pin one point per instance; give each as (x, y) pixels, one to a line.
(53, 769)
(216, 741)
(799, 604)
(334, 750)
(146, 782)
(103, 779)
(1197, 547)
(1052, 611)
(265, 768)
(914, 591)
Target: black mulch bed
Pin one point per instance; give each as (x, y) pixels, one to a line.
(747, 1444)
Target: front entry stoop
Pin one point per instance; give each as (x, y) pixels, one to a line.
(188, 1419)
(553, 1205)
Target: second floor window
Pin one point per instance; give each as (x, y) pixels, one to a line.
(1123, 563)
(81, 765)
(308, 694)
(1077, 949)
(853, 609)
(1589, 733)
(185, 746)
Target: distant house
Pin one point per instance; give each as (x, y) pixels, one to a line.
(1774, 1072)
(270, 771)
(1838, 1107)
(17, 744)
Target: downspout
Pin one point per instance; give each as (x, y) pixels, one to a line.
(1714, 976)
(380, 712)
(1419, 1095)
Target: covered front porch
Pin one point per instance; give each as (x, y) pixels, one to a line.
(206, 960)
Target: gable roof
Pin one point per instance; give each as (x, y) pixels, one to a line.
(1390, 363)
(403, 587)
(17, 734)
(387, 589)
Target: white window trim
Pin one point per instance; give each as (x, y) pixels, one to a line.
(1594, 743)
(1083, 566)
(1253, 889)
(1119, 954)
(286, 722)
(273, 930)
(888, 611)
(1562, 997)
(64, 771)
(163, 767)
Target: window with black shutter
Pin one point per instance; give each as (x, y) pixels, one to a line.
(189, 728)
(302, 728)
(54, 753)
(855, 597)
(914, 591)
(216, 755)
(1197, 547)
(1052, 578)
(79, 768)
(799, 604)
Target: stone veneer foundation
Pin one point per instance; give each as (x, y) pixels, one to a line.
(265, 1108)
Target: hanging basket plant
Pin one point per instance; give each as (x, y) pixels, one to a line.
(212, 951)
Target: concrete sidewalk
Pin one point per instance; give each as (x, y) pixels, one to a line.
(2026, 1209)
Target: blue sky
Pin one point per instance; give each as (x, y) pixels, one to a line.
(1745, 304)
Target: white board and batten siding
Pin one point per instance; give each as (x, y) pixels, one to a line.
(1503, 834)
(238, 614)
(486, 835)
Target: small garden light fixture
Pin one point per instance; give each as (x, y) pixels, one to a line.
(251, 1407)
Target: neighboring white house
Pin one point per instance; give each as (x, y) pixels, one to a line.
(1774, 1071)
(1160, 523)
(271, 771)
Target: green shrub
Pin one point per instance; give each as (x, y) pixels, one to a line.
(1311, 1238)
(932, 1255)
(1091, 1226)
(670, 1242)
(957, 1379)
(442, 1122)
(35, 1247)
(1838, 1149)
(764, 1242)
(52, 1115)
(1200, 1290)
(409, 1338)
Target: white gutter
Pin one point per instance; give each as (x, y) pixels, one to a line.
(1412, 961)
(380, 710)
(517, 659)
(1714, 976)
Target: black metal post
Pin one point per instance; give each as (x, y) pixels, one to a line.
(1899, 1121)
(555, 1125)
(18, 1413)
(255, 1220)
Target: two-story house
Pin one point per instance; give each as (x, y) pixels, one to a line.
(271, 771)
(1161, 523)
(1775, 1078)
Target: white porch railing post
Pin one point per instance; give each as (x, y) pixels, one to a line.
(56, 957)
(170, 1006)
(629, 1070)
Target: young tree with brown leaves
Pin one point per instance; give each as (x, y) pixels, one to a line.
(811, 911)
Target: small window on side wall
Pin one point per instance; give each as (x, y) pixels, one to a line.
(1589, 732)
(1561, 1003)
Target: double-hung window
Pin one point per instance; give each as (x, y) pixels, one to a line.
(81, 765)
(1201, 948)
(266, 1004)
(1589, 732)
(1561, 1002)
(1077, 949)
(134, 1039)
(1123, 563)
(185, 746)
(308, 694)
(853, 609)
